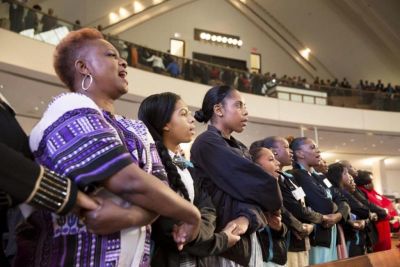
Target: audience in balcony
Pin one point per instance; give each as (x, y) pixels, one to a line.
(210, 74)
(77, 25)
(173, 68)
(157, 62)
(31, 19)
(15, 13)
(49, 21)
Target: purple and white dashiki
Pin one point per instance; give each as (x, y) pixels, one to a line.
(77, 139)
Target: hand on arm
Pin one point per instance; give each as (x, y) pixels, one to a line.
(357, 224)
(148, 192)
(373, 216)
(228, 231)
(274, 220)
(84, 202)
(242, 224)
(110, 217)
(331, 219)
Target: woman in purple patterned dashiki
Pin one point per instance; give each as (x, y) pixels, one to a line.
(106, 154)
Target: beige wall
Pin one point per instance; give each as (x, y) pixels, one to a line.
(33, 55)
(216, 16)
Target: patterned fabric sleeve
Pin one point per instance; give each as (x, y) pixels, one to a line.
(142, 147)
(82, 145)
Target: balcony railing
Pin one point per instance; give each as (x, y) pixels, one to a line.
(40, 26)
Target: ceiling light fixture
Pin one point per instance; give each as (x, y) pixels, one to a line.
(137, 6)
(305, 53)
(123, 13)
(113, 17)
(217, 38)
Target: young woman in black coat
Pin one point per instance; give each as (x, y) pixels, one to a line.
(171, 123)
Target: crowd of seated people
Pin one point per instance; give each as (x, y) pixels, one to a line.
(275, 203)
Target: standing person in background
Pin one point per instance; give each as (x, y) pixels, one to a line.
(376, 212)
(170, 122)
(77, 25)
(241, 190)
(365, 183)
(157, 63)
(31, 19)
(321, 197)
(355, 227)
(322, 168)
(16, 14)
(48, 21)
(173, 68)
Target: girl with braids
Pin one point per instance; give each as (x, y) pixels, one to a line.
(170, 123)
(321, 197)
(240, 189)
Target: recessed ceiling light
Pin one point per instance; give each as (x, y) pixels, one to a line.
(137, 6)
(352, 140)
(113, 17)
(373, 145)
(381, 141)
(365, 148)
(123, 13)
(344, 144)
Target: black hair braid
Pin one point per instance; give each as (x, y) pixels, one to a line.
(175, 181)
(156, 111)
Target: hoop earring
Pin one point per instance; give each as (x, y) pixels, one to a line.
(90, 82)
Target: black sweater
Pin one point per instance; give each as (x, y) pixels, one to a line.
(237, 186)
(296, 209)
(317, 198)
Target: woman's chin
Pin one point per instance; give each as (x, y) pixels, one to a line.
(239, 129)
